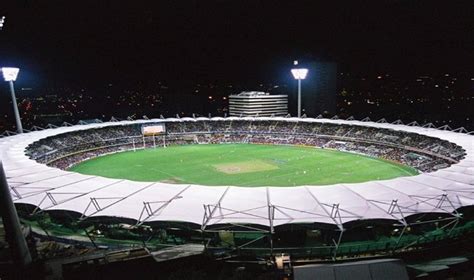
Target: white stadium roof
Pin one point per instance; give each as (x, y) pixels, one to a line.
(49, 188)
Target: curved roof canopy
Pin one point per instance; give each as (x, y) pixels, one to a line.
(49, 188)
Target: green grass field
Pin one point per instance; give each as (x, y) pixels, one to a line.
(243, 165)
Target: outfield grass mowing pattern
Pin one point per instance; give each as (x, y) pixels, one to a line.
(196, 164)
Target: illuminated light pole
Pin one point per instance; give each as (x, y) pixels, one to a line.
(299, 74)
(10, 74)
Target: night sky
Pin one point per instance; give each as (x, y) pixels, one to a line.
(225, 40)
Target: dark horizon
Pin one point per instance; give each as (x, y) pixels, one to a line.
(117, 54)
(232, 41)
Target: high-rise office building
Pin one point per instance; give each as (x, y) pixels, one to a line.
(255, 103)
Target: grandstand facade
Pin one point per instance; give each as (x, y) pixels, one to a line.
(375, 217)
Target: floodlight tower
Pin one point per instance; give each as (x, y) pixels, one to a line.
(2, 22)
(299, 74)
(10, 74)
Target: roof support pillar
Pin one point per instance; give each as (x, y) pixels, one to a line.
(337, 243)
(271, 217)
(14, 235)
(400, 237)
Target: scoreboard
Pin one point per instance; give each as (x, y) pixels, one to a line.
(149, 130)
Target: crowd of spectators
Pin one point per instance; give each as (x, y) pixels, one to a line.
(421, 152)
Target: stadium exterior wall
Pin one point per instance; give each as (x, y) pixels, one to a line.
(443, 191)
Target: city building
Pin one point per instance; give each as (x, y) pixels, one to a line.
(256, 103)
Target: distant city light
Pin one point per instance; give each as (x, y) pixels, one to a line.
(10, 73)
(2, 21)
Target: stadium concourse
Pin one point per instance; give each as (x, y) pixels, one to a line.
(445, 185)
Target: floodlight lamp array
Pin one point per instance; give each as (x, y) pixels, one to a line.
(10, 73)
(299, 73)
